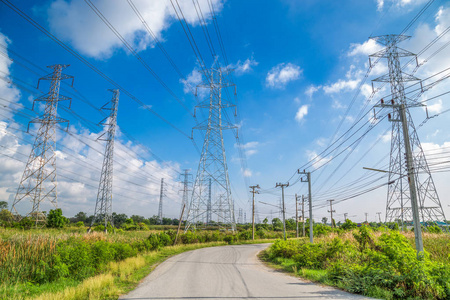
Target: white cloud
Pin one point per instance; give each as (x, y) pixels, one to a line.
(280, 75)
(76, 22)
(245, 66)
(247, 173)
(386, 138)
(367, 48)
(318, 160)
(341, 85)
(301, 113)
(312, 89)
(7, 89)
(436, 107)
(380, 4)
(191, 82)
(249, 148)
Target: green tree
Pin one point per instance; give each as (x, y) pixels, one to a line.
(324, 220)
(154, 220)
(277, 224)
(6, 218)
(3, 205)
(119, 219)
(137, 219)
(81, 216)
(55, 219)
(348, 225)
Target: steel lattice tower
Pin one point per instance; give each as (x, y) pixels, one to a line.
(103, 206)
(398, 205)
(213, 162)
(161, 195)
(38, 181)
(186, 190)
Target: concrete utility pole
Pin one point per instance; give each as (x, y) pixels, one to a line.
(303, 214)
(254, 191)
(412, 181)
(331, 211)
(311, 225)
(345, 216)
(422, 191)
(366, 214)
(296, 216)
(379, 216)
(283, 207)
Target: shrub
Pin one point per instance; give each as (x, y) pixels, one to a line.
(55, 219)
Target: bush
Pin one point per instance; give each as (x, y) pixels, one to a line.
(386, 267)
(79, 224)
(55, 219)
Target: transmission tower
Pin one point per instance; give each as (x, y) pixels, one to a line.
(186, 184)
(161, 195)
(213, 163)
(38, 181)
(404, 140)
(103, 205)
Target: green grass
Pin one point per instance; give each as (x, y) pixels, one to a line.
(117, 279)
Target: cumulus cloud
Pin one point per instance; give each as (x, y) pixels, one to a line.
(74, 21)
(242, 67)
(380, 4)
(301, 113)
(341, 85)
(436, 107)
(249, 148)
(192, 80)
(7, 89)
(247, 173)
(79, 158)
(312, 89)
(280, 75)
(318, 160)
(367, 48)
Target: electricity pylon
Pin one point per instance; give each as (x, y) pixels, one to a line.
(103, 206)
(404, 143)
(161, 195)
(185, 200)
(38, 181)
(213, 163)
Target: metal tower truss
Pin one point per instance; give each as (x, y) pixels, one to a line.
(398, 206)
(187, 182)
(211, 202)
(103, 206)
(38, 182)
(161, 196)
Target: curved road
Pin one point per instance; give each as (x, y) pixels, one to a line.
(228, 272)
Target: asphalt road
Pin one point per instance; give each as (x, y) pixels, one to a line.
(228, 272)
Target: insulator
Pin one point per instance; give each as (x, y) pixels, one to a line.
(392, 101)
(382, 101)
(389, 116)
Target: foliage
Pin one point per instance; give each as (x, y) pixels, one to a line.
(79, 224)
(3, 205)
(55, 219)
(380, 264)
(348, 225)
(277, 224)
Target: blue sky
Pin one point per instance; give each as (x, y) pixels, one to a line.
(298, 65)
